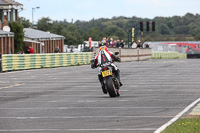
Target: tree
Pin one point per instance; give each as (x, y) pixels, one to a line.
(119, 26)
(70, 40)
(95, 33)
(45, 24)
(197, 37)
(17, 28)
(182, 29)
(73, 35)
(114, 30)
(194, 28)
(171, 24)
(164, 29)
(26, 23)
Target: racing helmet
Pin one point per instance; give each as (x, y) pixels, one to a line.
(103, 48)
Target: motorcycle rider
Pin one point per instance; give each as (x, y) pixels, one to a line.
(105, 56)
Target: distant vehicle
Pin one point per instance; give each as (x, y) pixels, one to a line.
(93, 44)
(71, 49)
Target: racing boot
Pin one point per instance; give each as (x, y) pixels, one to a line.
(118, 77)
(102, 84)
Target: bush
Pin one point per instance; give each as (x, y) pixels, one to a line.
(18, 28)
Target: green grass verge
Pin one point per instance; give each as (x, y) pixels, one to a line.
(185, 125)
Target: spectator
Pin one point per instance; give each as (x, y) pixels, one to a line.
(115, 42)
(21, 52)
(57, 50)
(138, 44)
(134, 45)
(122, 43)
(112, 44)
(103, 40)
(100, 43)
(118, 44)
(106, 42)
(30, 50)
(72, 50)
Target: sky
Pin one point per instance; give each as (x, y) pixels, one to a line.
(86, 10)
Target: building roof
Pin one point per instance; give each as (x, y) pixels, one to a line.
(38, 34)
(31, 41)
(6, 33)
(9, 2)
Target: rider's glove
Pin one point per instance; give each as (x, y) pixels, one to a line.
(93, 66)
(118, 59)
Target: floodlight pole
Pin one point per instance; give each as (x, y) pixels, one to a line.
(33, 9)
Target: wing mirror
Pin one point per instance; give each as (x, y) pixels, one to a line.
(116, 53)
(92, 61)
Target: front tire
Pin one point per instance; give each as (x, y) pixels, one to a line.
(111, 87)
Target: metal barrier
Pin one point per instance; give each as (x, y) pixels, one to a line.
(168, 55)
(0, 63)
(13, 62)
(131, 54)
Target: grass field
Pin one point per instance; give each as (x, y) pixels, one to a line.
(185, 125)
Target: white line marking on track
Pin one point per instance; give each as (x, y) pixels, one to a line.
(166, 85)
(8, 91)
(83, 117)
(63, 108)
(90, 101)
(157, 94)
(103, 129)
(163, 127)
(125, 95)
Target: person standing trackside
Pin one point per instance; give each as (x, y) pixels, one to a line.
(107, 43)
(112, 44)
(30, 50)
(122, 44)
(57, 50)
(118, 44)
(100, 43)
(138, 44)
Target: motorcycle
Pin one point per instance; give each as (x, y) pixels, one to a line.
(110, 80)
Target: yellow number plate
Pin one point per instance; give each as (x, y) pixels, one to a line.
(106, 73)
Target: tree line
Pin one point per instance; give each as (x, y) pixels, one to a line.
(176, 28)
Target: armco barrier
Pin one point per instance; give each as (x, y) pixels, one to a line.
(0, 63)
(168, 55)
(12, 62)
(131, 54)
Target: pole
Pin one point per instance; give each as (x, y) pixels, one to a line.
(141, 38)
(120, 52)
(94, 52)
(138, 54)
(0, 63)
(32, 16)
(128, 38)
(133, 35)
(33, 9)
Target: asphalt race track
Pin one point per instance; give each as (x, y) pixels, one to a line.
(70, 100)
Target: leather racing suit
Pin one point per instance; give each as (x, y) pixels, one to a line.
(105, 56)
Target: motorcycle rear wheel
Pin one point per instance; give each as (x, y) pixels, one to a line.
(111, 87)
